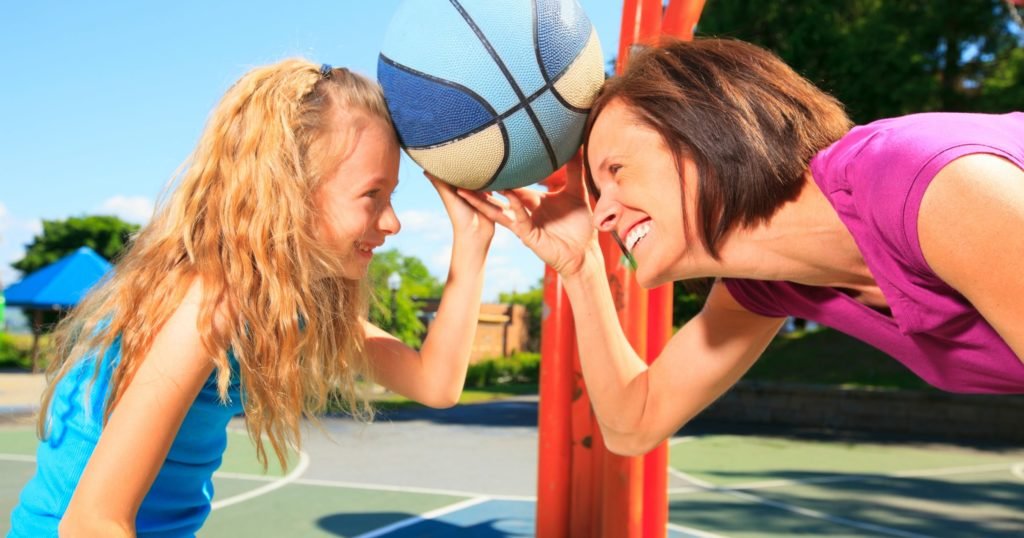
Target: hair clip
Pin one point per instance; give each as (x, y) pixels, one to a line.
(325, 70)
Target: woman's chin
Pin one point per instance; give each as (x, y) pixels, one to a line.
(649, 279)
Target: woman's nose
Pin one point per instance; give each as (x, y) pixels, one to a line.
(606, 214)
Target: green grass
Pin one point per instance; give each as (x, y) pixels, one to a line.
(828, 357)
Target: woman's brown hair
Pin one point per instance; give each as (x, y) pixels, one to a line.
(750, 123)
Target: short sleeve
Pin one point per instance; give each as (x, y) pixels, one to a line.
(878, 173)
(756, 296)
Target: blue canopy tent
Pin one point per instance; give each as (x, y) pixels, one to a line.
(58, 286)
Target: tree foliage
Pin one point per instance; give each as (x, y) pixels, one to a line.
(417, 282)
(885, 59)
(107, 235)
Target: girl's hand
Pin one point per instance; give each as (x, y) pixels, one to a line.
(557, 226)
(468, 223)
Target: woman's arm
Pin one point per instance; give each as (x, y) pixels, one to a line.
(639, 406)
(141, 428)
(436, 373)
(636, 406)
(971, 229)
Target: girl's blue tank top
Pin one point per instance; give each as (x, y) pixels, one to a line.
(179, 500)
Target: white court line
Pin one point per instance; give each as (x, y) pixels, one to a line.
(677, 440)
(18, 457)
(807, 512)
(410, 489)
(693, 532)
(263, 490)
(245, 476)
(942, 471)
(423, 517)
(293, 478)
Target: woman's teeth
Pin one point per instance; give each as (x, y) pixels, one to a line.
(636, 235)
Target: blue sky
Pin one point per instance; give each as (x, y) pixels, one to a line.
(102, 101)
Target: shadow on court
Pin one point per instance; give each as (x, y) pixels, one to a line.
(471, 471)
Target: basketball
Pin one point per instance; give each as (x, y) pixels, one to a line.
(490, 95)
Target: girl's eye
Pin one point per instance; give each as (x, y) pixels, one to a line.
(372, 194)
(614, 168)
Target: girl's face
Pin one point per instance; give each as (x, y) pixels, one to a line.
(641, 194)
(355, 199)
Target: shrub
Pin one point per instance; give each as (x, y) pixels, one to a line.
(516, 368)
(13, 355)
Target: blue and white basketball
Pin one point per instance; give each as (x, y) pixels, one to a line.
(488, 94)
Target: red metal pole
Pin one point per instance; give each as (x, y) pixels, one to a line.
(659, 330)
(587, 447)
(623, 499)
(554, 419)
(578, 478)
(681, 17)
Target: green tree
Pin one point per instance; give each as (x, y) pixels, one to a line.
(417, 282)
(887, 58)
(106, 235)
(533, 300)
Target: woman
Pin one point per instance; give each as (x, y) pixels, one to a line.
(246, 292)
(714, 159)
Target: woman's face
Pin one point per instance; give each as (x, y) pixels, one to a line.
(355, 198)
(641, 195)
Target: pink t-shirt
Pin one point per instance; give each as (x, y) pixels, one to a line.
(875, 178)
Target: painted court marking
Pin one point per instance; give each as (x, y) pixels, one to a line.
(263, 490)
(1017, 469)
(433, 514)
(807, 512)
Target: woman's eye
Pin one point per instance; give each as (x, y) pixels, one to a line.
(614, 168)
(372, 194)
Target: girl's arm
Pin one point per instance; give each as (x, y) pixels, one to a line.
(435, 374)
(970, 225)
(138, 435)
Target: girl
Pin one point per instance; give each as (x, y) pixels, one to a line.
(715, 159)
(245, 293)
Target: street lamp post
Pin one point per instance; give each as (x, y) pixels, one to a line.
(394, 282)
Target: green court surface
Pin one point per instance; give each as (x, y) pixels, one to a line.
(719, 485)
(758, 486)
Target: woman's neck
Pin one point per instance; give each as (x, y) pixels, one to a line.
(804, 242)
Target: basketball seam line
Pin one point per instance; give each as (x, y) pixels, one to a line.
(548, 82)
(475, 96)
(496, 118)
(515, 87)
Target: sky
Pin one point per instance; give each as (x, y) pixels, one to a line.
(100, 103)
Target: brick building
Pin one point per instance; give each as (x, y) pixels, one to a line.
(501, 331)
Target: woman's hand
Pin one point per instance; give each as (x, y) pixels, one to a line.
(558, 226)
(468, 224)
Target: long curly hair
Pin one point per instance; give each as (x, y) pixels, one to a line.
(242, 218)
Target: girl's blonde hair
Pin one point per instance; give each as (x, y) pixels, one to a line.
(243, 219)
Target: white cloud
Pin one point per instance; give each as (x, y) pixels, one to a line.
(425, 225)
(440, 260)
(135, 209)
(505, 276)
(504, 238)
